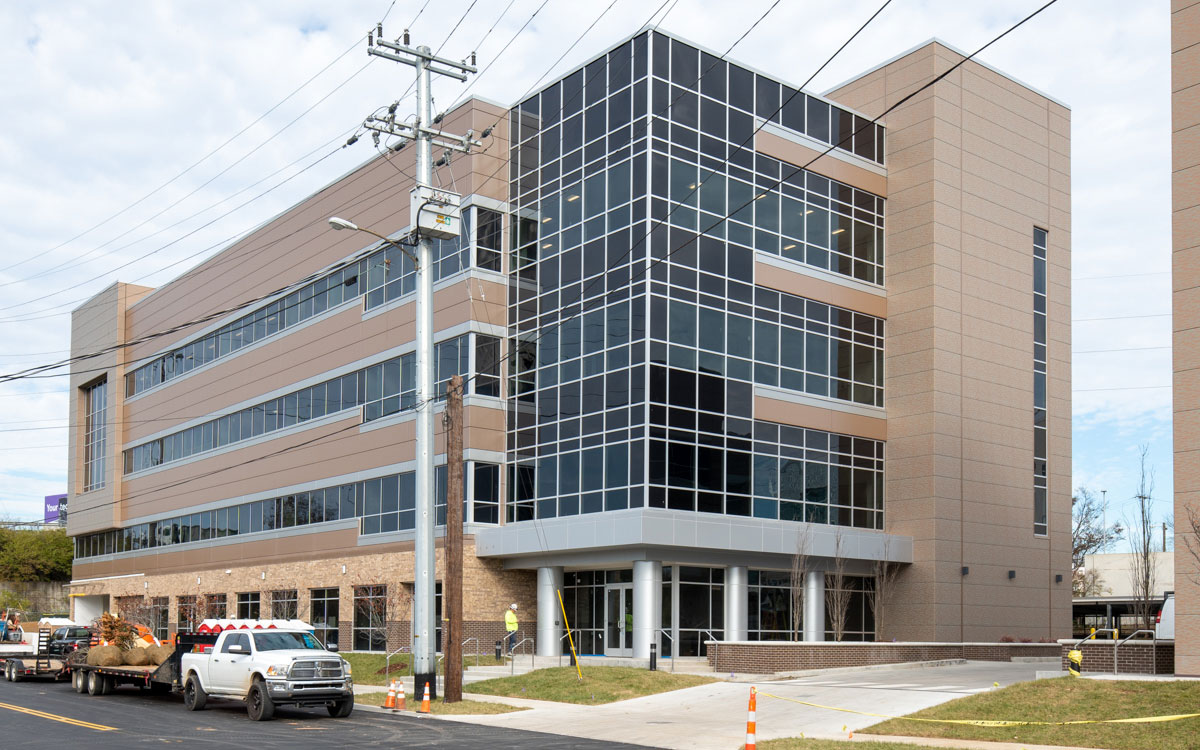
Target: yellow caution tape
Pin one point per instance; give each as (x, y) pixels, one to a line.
(991, 722)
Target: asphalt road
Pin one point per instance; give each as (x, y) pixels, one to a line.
(64, 719)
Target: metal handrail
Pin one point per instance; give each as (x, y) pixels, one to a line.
(562, 638)
(513, 651)
(1153, 654)
(1093, 635)
(387, 661)
(477, 645)
(667, 633)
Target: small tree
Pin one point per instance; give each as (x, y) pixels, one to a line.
(837, 595)
(879, 595)
(1089, 535)
(1191, 541)
(1141, 540)
(801, 563)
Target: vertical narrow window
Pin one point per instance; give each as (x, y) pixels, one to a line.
(1040, 450)
(96, 403)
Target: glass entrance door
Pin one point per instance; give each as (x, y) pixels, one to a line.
(618, 620)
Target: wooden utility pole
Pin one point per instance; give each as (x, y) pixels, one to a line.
(452, 585)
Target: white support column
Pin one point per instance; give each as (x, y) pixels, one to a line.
(549, 614)
(814, 605)
(647, 605)
(737, 601)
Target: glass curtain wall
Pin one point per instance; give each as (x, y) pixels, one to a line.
(638, 331)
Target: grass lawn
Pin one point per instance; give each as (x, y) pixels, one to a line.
(599, 684)
(443, 709)
(795, 743)
(1067, 699)
(369, 668)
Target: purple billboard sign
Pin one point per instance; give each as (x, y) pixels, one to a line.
(56, 508)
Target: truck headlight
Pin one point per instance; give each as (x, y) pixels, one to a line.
(278, 670)
(347, 668)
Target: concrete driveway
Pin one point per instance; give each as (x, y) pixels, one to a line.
(714, 715)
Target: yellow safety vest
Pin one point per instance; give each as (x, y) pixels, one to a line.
(510, 621)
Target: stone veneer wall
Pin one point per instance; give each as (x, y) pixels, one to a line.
(1134, 657)
(767, 657)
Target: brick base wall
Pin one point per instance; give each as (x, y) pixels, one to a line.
(766, 657)
(1134, 657)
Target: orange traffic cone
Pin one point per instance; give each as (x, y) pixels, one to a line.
(425, 700)
(390, 701)
(401, 704)
(750, 721)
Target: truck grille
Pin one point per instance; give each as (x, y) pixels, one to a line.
(312, 670)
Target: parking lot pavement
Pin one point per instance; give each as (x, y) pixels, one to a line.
(714, 715)
(50, 716)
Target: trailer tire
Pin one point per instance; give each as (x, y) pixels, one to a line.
(11, 672)
(107, 684)
(95, 683)
(79, 681)
(341, 709)
(8, 671)
(194, 696)
(259, 706)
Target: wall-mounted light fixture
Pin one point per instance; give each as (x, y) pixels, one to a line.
(965, 570)
(1012, 574)
(1058, 578)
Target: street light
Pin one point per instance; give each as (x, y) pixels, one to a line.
(339, 224)
(424, 577)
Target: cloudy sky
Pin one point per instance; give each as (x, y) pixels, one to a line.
(138, 138)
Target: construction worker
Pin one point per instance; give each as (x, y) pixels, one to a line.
(510, 625)
(3, 626)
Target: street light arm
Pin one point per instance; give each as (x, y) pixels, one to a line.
(339, 224)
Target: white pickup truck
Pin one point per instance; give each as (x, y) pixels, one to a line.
(268, 668)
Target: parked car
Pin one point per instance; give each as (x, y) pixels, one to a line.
(64, 640)
(1164, 624)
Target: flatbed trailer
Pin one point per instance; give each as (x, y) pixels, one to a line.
(164, 678)
(36, 663)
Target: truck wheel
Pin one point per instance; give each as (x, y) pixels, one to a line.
(259, 706)
(194, 696)
(107, 684)
(79, 681)
(95, 683)
(13, 675)
(8, 671)
(341, 709)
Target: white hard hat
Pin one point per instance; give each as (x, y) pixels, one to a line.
(514, 605)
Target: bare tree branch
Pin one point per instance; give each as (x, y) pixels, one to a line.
(1141, 540)
(837, 596)
(880, 594)
(1089, 535)
(801, 563)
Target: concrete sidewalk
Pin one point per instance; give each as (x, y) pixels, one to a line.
(713, 716)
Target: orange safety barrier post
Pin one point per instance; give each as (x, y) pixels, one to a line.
(401, 701)
(425, 700)
(390, 701)
(750, 721)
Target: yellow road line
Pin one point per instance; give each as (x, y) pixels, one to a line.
(63, 719)
(992, 722)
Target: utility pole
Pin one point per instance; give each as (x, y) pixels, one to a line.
(452, 578)
(427, 221)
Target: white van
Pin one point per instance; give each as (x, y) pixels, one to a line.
(1164, 624)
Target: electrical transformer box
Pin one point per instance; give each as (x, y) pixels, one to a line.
(436, 213)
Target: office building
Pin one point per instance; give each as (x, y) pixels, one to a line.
(724, 340)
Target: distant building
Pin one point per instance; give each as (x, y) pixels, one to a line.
(1110, 605)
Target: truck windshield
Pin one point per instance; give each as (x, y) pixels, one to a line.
(285, 641)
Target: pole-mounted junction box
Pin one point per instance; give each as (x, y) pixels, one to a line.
(436, 213)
